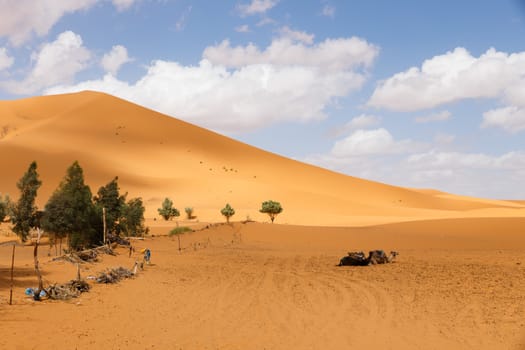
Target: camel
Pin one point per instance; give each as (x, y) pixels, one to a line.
(379, 257)
(374, 257)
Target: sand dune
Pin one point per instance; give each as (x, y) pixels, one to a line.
(458, 282)
(157, 156)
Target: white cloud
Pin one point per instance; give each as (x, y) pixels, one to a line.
(21, 19)
(295, 35)
(435, 117)
(56, 63)
(362, 121)
(262, 87)
(510, 119)
(242, 29)
(328, 11)
(6, 61)
(474, 174)
(444, 139)
(451, 77)
(256, 7)
(331, 54)
(370, 142)
(250, 97)
(183, 19)
(113, 60)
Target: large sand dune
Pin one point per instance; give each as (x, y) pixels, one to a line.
(157, 156)
(458, 283)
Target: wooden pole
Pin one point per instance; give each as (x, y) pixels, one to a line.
(12, 269)
(104, 222)
(36, 295)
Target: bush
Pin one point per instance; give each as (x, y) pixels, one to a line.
(271, 208)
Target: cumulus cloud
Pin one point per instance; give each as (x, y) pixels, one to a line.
(256, 7)
(244, 88)
(369, 142)
(6, 61)
(474, 174)
(454, 76)
(113, 60)
(57, 62)
(510, 119)
(435, 117)
(362, 121)
(331, 54)
(24, 18)
(295, 35)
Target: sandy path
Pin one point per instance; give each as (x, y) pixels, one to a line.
(247, 287)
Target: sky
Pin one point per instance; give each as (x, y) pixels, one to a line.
(423, 94)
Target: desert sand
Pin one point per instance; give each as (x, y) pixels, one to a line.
(457, 284)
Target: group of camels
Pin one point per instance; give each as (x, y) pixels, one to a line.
(374, 257)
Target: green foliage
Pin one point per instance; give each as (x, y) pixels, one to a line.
(132, 218)
(108, 197)
(167, 211)
(70, 211)
(189, 212)
(24, 211)
(271, 208)
(5, 207)
(228, 212)
(180, 230)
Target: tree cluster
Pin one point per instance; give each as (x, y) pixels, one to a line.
(73, 213)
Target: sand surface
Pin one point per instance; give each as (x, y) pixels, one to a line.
(263, 286)
(459, 282)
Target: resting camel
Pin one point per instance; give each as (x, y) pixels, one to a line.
(374, 257)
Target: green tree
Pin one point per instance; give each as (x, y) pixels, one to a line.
(132, 218)
(24, 211)
(167, 211)
(178, 231)
(108, 197)
(71, 213)
(228, 212)
(189, 212)
(271, 208)
(5, 207)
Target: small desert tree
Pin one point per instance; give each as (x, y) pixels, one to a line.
(24, 211)
(228, 212)
(5, 207)
(178, 231)
(189, 212)
(167, 211)
(271, 208)
(132, 218)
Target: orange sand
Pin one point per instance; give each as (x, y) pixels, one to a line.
(458, 283)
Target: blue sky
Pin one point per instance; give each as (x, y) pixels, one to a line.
(426, 94)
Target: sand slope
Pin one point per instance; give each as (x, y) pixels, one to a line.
(157, 156)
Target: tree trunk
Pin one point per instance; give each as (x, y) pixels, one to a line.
(36, 294)
(12, 269)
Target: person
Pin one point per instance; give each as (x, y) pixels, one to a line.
(147, 256)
